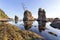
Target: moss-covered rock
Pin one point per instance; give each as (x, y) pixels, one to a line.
(11, 32)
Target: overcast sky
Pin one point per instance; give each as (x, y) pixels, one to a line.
(14, 7)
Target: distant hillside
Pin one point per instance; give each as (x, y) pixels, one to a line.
(3, 15)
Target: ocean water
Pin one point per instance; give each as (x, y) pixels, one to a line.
(41, 28)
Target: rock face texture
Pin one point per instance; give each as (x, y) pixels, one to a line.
(11, 32)
(56, 23)
(28, 24)
(3, 15)
(28, 16)
(41, 14)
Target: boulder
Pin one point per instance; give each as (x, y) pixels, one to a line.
(56, 23)
(28, 16)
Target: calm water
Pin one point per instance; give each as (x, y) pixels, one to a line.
(40, 28)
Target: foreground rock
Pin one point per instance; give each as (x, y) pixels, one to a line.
(56, 23)
(11, 32)
(28, 16)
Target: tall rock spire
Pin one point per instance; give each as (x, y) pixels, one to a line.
(41, 14)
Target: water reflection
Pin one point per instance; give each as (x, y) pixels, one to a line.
(41, 26)
(27, 24)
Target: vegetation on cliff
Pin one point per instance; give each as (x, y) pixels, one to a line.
(3, 15)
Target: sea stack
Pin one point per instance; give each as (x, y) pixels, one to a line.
(16, 19)
(28, 16)
(41, 14)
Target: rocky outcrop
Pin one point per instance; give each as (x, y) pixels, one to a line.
(11, 32)
(56, 23)
(41, 15)
(28, 16)
(3, 15)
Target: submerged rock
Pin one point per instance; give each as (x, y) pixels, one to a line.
(11, 32)
(56, 23)
(52, 33)
(28, 16)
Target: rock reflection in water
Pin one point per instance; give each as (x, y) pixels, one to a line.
(41, 26)
(28, 24)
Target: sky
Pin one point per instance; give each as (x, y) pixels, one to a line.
(14, 7)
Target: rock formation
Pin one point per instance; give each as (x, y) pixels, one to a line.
(49, 19)
(16, 19)
(41, 14)
(56, 23)
(11, 32)
(3, 15)
(28, 16)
